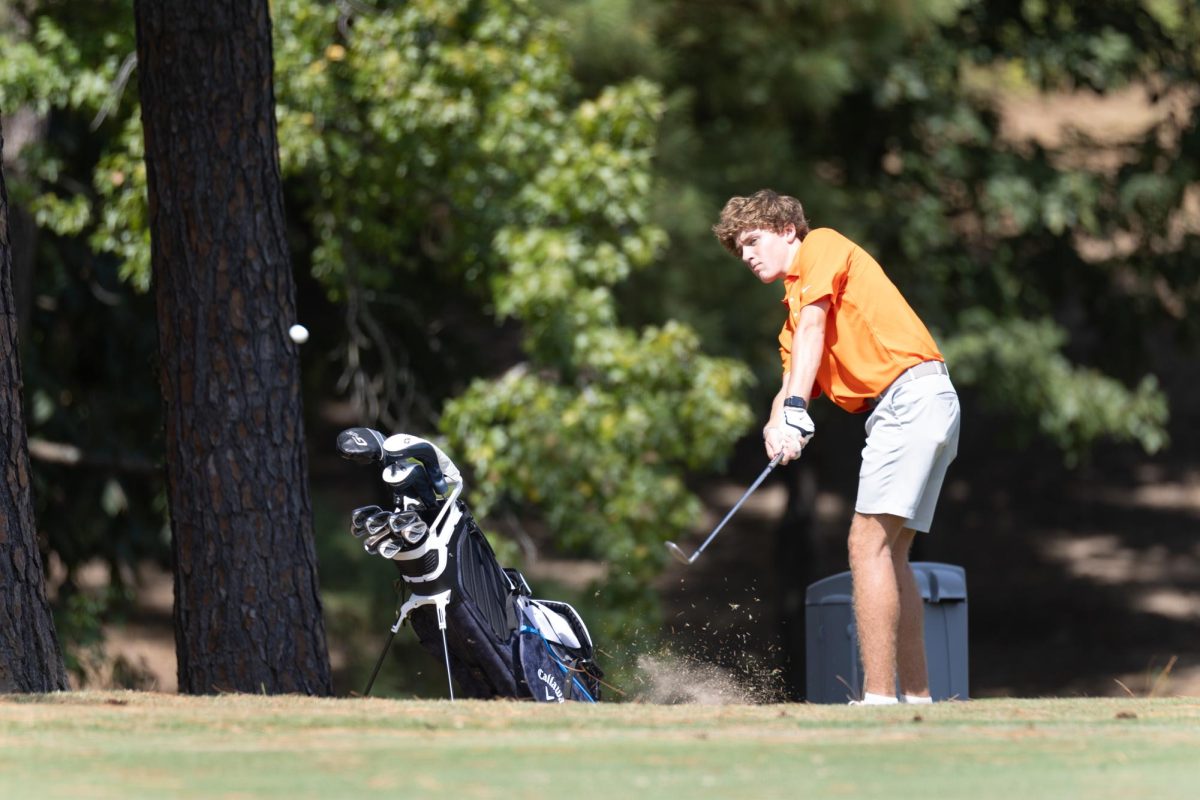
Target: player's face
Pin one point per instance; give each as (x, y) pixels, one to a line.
(768, 254)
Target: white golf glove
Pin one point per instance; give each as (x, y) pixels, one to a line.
(797, 422)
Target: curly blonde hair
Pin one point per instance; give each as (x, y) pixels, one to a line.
(764, 210)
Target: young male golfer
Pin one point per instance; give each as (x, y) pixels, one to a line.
(850, 335)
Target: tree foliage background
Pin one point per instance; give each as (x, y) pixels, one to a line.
(502, 209)
(886, 119)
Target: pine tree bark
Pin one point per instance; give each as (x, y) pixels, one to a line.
(30, 660)
(247, 607)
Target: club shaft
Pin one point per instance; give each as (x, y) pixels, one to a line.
(761, 477)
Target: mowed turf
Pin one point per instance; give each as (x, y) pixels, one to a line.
(130, 744)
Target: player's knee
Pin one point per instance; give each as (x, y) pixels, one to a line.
(868, 539)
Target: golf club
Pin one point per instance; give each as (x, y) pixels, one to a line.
(372, 544)
(358, 519)
(677, 551)
(408, 525)
(377, 530)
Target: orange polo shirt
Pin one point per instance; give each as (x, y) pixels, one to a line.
(871, 333)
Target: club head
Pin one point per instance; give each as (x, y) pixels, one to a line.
(408, 525)
(358, 519)
(378, 522)
(373, 543)
(392, 546)
(680, 556)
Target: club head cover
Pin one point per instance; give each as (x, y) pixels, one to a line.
(402, 446)
(410, 479)
(361, 445)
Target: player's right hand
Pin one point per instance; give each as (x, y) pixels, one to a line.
(777, 439)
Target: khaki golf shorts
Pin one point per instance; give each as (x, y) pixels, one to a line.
(912, 436)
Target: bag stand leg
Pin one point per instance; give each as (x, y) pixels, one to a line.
(441, 615)
(375, 672)
(439, 601)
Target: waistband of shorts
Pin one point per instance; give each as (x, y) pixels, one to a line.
(924, 369)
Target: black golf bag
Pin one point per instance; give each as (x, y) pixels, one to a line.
(495, 638)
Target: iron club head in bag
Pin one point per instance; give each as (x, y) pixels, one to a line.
(358, 519)
(409, 526)
(377, 530)
(676, 551)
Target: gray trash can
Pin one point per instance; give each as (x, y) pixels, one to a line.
(834, 669)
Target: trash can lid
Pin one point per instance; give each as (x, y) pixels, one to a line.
(940, 582)
(936, 582)
(834, 590)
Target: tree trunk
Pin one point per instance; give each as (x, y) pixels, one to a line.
(247, 605)
(24, 128)
(30, 660)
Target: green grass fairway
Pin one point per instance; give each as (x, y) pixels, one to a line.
(129, 744)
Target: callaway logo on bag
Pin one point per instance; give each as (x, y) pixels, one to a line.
(553, 684)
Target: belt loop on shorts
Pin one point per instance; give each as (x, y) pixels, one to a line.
(912, 373)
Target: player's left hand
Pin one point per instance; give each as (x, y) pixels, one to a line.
(797, 421)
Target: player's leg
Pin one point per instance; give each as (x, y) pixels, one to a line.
(877, 598)
(910, 637)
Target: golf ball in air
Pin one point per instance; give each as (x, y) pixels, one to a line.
(299, 334)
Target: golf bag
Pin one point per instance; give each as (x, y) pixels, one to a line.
(495, 638)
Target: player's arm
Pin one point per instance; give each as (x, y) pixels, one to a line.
(808, 344)
(791, 428)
